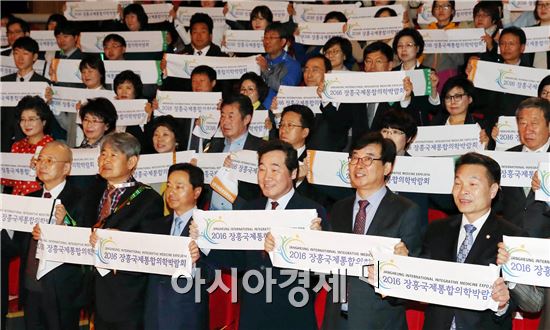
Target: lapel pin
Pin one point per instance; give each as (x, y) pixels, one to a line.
(488, 236)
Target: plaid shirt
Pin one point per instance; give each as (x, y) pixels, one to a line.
(115, 199)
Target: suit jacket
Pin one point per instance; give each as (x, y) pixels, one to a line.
(76, 55)
(524, 211)
(441, 243)
(396, 217)
(120, 297)
(545, 319)
(279, 314)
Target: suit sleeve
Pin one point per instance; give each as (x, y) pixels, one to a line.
(411, 230)
(528, 297)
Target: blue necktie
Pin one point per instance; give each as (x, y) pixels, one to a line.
(463, 252)
(176, 231)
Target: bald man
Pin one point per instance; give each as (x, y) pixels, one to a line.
(54, 301)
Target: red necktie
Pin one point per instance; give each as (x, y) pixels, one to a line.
(106, 208)
(361, 218)
(274, 205)
(47, 195)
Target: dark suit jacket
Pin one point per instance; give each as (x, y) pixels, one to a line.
(395, 217)
(280, 314)
(120, 297)
(76, 55)
(524, 211)
(441, 243)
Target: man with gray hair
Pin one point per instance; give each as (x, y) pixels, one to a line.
(121, 203)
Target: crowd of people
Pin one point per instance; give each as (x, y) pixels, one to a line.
(480, 211)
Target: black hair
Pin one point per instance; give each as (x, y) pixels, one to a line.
(491, 9)
(245, 105)
(131, 77)
(473, 158)
(337, 15)
(57, 18)
(26, 43)
(38, 105)
(66, 27)
(518, 32)
(328, 65)
(114, 37)
(378, 46)
(102, 108)
(536, 102)
(280, 29)
(388, 150)
(262, 12)
(172, 124)
(261, 86)
(202, 18)
(544, 82)
(25, 27)
(93, 61)
(196, 175)
(307, 118)
(414, 34)
(401, 120)
(344, 44)
(205, 69)
(453, 10)
(291, 155)
(535, 10)
(380, 11)
(457, 81)
(137, 9)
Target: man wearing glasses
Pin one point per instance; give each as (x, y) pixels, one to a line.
(373, 210)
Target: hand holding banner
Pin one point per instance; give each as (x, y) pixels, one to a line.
(529, 260)
(517, 168)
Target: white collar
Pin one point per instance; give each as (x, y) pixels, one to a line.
(56, 190)
(301, 150)
(283, 201)
(541, 149)
(26, 77)
(204, 51)
(478, 223)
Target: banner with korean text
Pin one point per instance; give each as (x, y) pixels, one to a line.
(244, 41)
(7, 66)
(453, 41)
(537, 39)
(373, 28)
(91, 11)
(529, 261)
(369, 12)
(436, 282)
(184, 14)
(257, 125)
(13, 92)
(136, 41)
(315, 13)
(240, 10)
(45, 39)
(181, 66)
(16, 166)
(508, 135)
(543, 194)
(208, 123)
(21, 213)
(517, 168)
(245, 229)
(463, 11)
(446, 140)
(158, 12)
(318, 33)
(153, 168)
(130, 112)
(187, 104)
(433, 175)
(85, 161)
(149, 71)
(65, 98)
(210, 163)
(303, 95)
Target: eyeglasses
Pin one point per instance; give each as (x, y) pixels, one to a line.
(406, 46)
(442, 7)
(367, 160)
(454, 98)
(288, 125)
(390, 132)
(378, 62)
(29, 120)
(333, 52)
(48, 160)
(271, 38)
(543, 5)
(249, 89)
(92, 121)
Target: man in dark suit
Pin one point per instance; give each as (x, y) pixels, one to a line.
(121, 203)
(471, 238)
(15, 29)
(54, 301)
(67, 34)
(236, 114)
(518, 204)
(373, 210)
(164, 307)
(25, 53)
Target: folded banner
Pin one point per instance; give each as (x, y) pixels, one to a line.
(210, 163)
(318, 33)
(453, 41)
(208, 124)
(45, 39)
(245, 165)
(16, 166)
(245, 230)
(153, 168)
(91, 11)
(446, 140)
(183, 15)
(328, 168)
(508, 135)
(7, 66)
(13, 92)
(373, 28)
(244, 41)
(130, 112)
(181, 66)
(504, 78)
(158, 12)
(437, 282)
(136, 41)
(65, 98)
(433, 175)
(240, 10)
(543, 194)
(187, 104)
(66, 71)
(529, 260)
(316, 13)
(257, 125)
(308, 250)
(226, 184)
(463, 11)
(145, 253)
(517, 168)
(537, 39)
(21, 213)
(85, 161)
(369, 12)
(149, 71)
(302, 95)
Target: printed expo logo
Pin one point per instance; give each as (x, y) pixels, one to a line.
(349, 29)
(383, 266)
(545, 182)
(101, 253)
(207, 232)
(204, 122)
(329, 83)
(518, 250)
(503, 126)
(343, 172)
(502, 77)
(188, 66)
(283, 250)
(99, 42)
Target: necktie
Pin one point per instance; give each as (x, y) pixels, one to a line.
(21, 79)
(361, 218)
(47, 194)
(199, 52)
(274, 205)
(370, 113)
(105, 208)
(463, 253)
(177, 227)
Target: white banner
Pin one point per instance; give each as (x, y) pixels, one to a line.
(446, 140)
(85, 161)
(453, 41)
(517, 168)
(149, 71)
(7, 66)
(245, 165)
(226, 67)
(66, 71)
(245, 230)
(316, 13)
(16, 166)
(508, 135)
(308, 250)
(257, 125)
(187, 104)
(183, 15)
(437, 282)
(240, 10)
(529, 260)
(537, 39)
(373, 28)
(145, 253)
(244, 41)
(210, 163)
(303, 95)
(136, 41)
(158, 12)
(153, 168)
(463, 11)
(3, 36)
(130, 112)
(504, 78)
(328, 168)
(13, 92)
(208, 124)
(91, 11)
(369, 12)
(65, 98)
(318, 33)
(520, 5)
(21, 213)
(45, 39)
(422, 175)
(543, 194)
